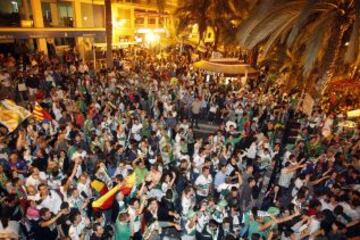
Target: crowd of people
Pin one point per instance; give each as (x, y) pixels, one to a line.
(253, 178)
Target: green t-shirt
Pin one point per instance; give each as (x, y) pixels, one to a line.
(254, 227)
(71, 151)
(140, 175)
(122, 231)
(233, 141)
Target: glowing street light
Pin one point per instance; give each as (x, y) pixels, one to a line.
(151, 37)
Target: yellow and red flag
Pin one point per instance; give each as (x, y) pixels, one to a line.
(11, 115)
(107, 196)
(40, 113)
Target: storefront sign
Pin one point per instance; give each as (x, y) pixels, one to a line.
(49, 34)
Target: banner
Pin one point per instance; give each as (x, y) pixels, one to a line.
(11, 115)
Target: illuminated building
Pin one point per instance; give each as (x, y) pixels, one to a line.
(54, 25)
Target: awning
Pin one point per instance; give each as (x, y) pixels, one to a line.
(26, 33)
(226, 67)
(115, 45)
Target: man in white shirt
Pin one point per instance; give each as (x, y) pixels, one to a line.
(251, 151)
(77, 226)
(199, 160)
(135, 130)
(203, 184)
(35, 178)
(134, 211)
(49, 199)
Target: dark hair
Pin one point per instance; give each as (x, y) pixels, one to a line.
(255, 236)
(150, 200)
(43, 211)
(95, 226)
(250, 179)
(122, 216)
(5, 217)
(73, 216)
(205, 168)
(119, 177)
(132, 201)
(288, 232)
(97, 215)
(41, 185)
(64, 205)
(338, 210)
(169, 194)
(254, 211)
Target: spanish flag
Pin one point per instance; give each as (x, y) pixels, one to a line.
(41, 114)
(11, 115)
(107, 197)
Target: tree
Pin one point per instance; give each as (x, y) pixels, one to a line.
(221, 15)
(316, 31)
(109, 58)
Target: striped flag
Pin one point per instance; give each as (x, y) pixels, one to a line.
(107, 196)
(41, 114)
(11, 115)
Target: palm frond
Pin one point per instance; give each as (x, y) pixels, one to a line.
(302, 20)
(256, 15)
(316, 43)
(353, 48)
(283, 30)
(271, 22)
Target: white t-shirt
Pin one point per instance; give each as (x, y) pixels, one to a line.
(75, 231)
(285, 178)
(85, 188)
(203, 184)
(354, 213)
(134, 220)
(31, 181)
(186, 204)
(251, 151)
(314, 226)
(52, 202)
(198, 162)
(298, 184)
(136, 131)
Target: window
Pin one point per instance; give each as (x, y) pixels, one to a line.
(66, 14)
(99, 16)
(139, 20)
(10, 13)
(46, 12)
(92, 15)
(152, 21)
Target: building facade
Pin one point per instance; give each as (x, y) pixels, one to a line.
(54, 25)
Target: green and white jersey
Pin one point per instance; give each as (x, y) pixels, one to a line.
(135, 222)
(203, 185)
(190, 232)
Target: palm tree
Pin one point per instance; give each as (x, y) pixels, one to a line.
(221, 15)
(315, 30)
(108, 17)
